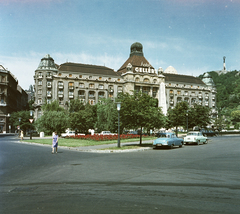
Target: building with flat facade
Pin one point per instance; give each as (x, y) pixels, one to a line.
(13, 98)
(90, 83)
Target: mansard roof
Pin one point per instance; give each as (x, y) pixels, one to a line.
(182, 79)
(85, 68)
(135, 61)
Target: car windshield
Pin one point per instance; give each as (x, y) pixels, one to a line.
(162, 136)
(192, 133)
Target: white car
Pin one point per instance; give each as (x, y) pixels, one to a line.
(70, 134)
(195, 138)
(106, 133)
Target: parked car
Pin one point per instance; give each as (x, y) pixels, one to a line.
(209, 133)
(106, 133)
(195, 138)
(168, 139)
(70, 134)
(133, 132)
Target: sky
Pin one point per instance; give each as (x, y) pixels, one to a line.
(190, 35)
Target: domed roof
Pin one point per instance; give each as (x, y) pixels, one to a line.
(207, 79)
(136, 49)
(170, 70)
(47, 63)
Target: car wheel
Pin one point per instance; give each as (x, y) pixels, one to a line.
(206, 141)
(198, 142)
(171, 147)
(180, 146)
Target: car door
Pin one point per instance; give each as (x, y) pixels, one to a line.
(174, 140)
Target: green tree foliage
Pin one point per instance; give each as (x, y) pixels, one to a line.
(140, 110)
(52, 121)
(24, 122)
(228, 89)
(53, 106)
(76, 105)
(177, 116)
(82, 117)
(54, 118)
(199, 116)
(107, 116)
(228, 93)
(236, 115)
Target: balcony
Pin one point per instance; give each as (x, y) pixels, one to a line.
(71, 96)
(49, 85)
(81, 96)
(60, 86)
(71, 87)
(111, 90)
(49, 95)
(49, 76)
(60, 95)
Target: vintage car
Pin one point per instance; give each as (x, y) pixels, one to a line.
(168, 139)
(106, 133)
(195, 137)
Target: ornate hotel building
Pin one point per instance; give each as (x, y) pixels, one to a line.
(90, 83)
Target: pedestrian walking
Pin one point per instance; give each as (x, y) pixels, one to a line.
(21, 135)
(54, 142)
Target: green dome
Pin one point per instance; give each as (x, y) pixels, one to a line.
(136, 49)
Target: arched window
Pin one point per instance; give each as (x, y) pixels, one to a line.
(91, 85)
(146, 80)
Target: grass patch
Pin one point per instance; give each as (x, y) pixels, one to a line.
(79, 142)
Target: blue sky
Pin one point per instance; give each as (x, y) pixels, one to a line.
(190, 35)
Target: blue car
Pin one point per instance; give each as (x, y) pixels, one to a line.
(169, 140)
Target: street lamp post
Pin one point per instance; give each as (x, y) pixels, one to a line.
(118, 108)
(187, 121)
(19, 119)
(31, 120)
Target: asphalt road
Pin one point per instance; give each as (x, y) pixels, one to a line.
(192, 179)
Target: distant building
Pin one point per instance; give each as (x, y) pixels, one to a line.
(30, 92)
(13, 98)
(90, 83)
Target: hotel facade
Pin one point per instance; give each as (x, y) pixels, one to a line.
(90, 83)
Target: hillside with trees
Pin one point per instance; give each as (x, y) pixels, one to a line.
(228, 96)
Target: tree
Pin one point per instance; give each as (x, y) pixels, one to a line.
(53, 106)
(24, 120)
(140, 110)
(177, 116)
(235, 118)
(54, 118)
(83, 119)
(52, 121)
(106, 115)
(199, 116)
(76, 105)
